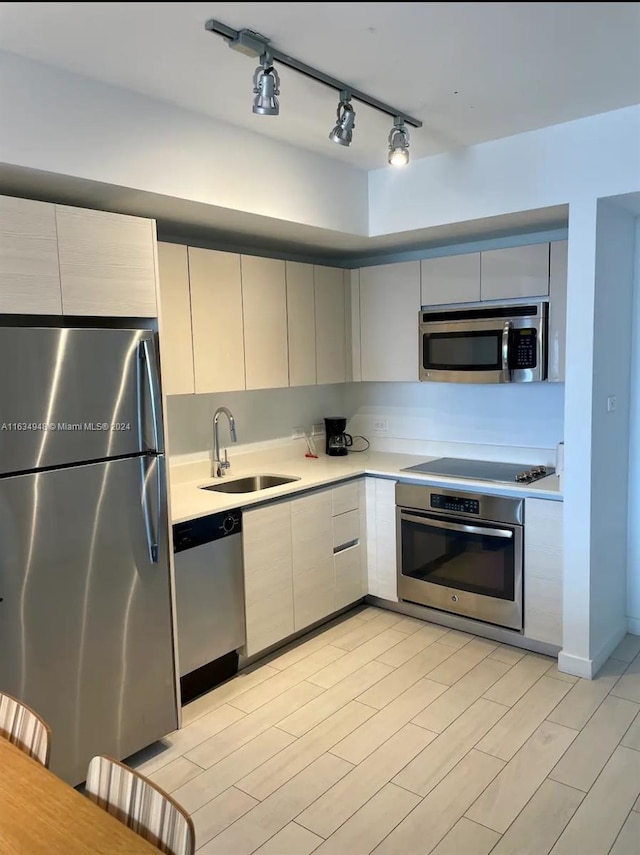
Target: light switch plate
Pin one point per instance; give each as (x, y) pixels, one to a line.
(612, 404)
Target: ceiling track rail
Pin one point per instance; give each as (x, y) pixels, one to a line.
(254, 44)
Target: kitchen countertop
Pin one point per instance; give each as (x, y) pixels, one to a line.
(189, 502)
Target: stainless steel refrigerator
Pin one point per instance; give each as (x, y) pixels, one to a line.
(85, 602)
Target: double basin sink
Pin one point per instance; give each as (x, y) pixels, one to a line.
(251, 484)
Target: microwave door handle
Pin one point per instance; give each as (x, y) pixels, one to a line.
(505, 348)
(467, 529)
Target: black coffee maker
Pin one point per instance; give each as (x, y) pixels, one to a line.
(337, 441)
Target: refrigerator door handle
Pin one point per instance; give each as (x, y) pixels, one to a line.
(147, 356)
(150, 464)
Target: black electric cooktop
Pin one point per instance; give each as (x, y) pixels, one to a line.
(482, 470)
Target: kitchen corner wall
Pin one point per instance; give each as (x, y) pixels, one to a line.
(260, 415)
(527, 415)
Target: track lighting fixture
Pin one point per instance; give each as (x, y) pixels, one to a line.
(343, 131)
(398, 143)
(266, 86)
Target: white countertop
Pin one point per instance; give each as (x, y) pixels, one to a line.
(188, 501)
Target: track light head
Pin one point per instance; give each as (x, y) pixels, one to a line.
(398, 144)
(343, 131)
(266, 86)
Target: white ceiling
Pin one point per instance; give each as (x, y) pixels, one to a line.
(471, 71)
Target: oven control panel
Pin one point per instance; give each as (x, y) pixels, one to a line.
(455, 503)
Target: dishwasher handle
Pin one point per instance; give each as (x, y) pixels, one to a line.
(203, 530)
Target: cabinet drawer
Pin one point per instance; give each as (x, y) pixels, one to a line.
(350, 578)
(346, 528)
(345, 498)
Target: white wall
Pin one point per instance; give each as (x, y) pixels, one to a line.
(615, 240)
(601, 241)
(260, 415)
(633, 556)
(60, 122)
(525, 416)
(588, 158)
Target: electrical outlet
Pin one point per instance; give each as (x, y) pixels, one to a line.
(297, 433)
(317, 429)
(612, 404)
(381, 425)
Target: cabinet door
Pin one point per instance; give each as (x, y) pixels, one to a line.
(520, 271)
(381, 538)
(330, 296)
(301, 324)
(29, 272)
(268, 575)
(176, 340)
(557, 309)
(264, 306)
(389, 307)
(312, 548)
(543, 570)
(216, 318)
(450, 279)
(349, 576)
(107, 263)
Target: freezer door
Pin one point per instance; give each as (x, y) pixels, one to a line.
(75, 395)
(85, 614)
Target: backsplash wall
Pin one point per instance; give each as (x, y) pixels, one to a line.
(260, 415)
(527, 415)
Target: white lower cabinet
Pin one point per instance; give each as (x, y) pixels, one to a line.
(303, 560)
(312, 547)
(543, 570)
(349, 543)
(381, 539)
(268, 575)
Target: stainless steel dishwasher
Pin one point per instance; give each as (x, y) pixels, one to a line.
(209, 600)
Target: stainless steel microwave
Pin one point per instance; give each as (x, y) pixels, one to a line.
(492, 344)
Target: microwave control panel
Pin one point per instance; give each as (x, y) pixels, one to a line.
(523, 348)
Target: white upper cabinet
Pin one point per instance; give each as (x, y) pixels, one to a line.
(301, 324)
(216, 316)
(450, 279)
(520, 271)
(389, 306)
(330, 303)
(176, 340)
(107, 263)
(29, 272)
(264, 305)
(557, 310)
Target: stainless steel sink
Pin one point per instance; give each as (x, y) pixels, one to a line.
(250, 485)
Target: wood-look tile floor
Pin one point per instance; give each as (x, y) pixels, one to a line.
(382, 733)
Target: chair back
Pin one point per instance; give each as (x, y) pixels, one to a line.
(25, 729)
(141, 805)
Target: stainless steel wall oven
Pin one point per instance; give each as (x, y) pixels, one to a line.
(461, 553)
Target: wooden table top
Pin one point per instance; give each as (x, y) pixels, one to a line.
(41, 815)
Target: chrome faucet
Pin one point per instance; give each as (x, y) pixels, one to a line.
(219, 466)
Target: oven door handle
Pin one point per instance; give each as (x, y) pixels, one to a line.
(468, 529)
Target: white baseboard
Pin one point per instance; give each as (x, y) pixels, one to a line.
(580, 666)
(575, 665)
(633, 625)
